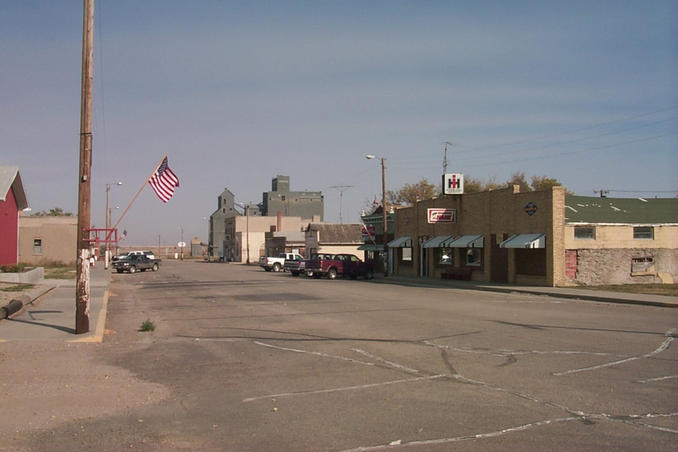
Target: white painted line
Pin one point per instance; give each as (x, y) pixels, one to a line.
(462, 438)
(390, 363)
(650, 380)
(660, 349)
(345, 388)
(323, 355)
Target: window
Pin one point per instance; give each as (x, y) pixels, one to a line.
(446, 256)
(406, 254)
(643, 232)
(473, 256)
(37, 246)
(642, 266)
(584, 232)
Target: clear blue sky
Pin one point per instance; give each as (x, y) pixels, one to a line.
(237, 92)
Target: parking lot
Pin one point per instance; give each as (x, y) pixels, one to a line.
(242, 359)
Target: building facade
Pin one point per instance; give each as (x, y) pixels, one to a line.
(48, 239)
(12, 202)
(506, 236)
(237, 232)
(621, 241)
(333, 238)
(304, 204)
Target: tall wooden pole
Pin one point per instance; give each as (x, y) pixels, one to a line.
(84, 172)
(384, 213)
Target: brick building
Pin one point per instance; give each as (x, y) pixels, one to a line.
(529, 238)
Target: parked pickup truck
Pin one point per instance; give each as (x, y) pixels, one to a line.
(276, 264)
(295, 266)
(136, 262)
(339, 265)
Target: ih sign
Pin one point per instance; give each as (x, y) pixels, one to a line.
(442, 215)
(453, 184)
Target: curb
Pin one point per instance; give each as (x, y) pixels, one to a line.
(515, 289)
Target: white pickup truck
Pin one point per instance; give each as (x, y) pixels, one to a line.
(277, 263)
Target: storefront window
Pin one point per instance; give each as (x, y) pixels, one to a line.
(446, 256)
(473, 256)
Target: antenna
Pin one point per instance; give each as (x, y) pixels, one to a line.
(342, 189)
(446, 143)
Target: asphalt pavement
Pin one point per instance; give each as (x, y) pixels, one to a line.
(49, 312)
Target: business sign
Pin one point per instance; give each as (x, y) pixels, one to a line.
(453, 184)
(530, 208)
(442, 215)
(368, 232)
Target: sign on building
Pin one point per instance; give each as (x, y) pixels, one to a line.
(453, 184)
(442, 215)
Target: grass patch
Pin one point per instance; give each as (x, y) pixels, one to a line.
(60, 272)
(147, 325)
(15, 287)
(18, 268)
(648, 289)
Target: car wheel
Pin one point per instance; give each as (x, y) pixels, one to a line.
(119, 270)
(132, 269)
(276, 267)
(332, 273)
(155, 267)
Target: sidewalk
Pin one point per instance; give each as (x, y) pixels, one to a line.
(49, 314)
(560, 292)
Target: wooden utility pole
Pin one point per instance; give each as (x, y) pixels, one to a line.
(384, 213)
(84, 171)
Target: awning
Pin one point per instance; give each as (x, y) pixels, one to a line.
(400, 242)
(466, 241)
(371, 247)
(525, 241)
(436, 241)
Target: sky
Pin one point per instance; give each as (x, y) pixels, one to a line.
(236, 93)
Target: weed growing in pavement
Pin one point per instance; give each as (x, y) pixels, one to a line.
(15, 287)
(147, 325)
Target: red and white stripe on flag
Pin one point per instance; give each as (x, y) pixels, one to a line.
(163, 181)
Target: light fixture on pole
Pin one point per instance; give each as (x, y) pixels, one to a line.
(108, 224)
(383, 206)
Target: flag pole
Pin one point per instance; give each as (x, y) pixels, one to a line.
(137, 195)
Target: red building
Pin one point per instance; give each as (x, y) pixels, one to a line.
(12, 202)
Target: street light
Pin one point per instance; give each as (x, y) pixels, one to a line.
(383, 205)
(108, 224)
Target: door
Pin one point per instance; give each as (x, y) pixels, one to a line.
(498, 259)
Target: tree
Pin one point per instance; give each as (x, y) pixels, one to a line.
(540, 183)
(473, 185)
(518, 178)
(54, 212)
(409, 194)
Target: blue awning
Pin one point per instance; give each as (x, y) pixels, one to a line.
(400, 242)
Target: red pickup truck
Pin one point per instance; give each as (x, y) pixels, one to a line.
(339, 265)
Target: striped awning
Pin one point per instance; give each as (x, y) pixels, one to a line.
(436, 242)
(400, 242)
(466, 241)
(525, 241)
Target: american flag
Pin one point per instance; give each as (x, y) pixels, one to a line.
(163, 181)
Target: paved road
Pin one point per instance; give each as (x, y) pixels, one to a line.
(247, 360)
